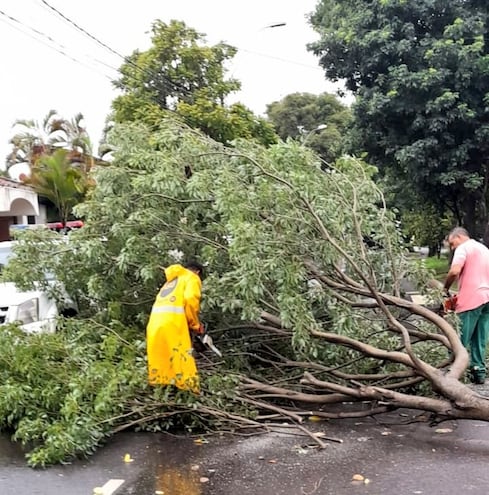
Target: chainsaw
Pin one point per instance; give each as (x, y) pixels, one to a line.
(206, 339)
(449, 303)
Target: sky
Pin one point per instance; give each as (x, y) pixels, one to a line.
(47, 63)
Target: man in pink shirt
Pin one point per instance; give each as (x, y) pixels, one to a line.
(470, 265)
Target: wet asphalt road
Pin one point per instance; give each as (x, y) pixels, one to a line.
(395, 459)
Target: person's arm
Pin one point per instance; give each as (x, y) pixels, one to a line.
(191, 299)
(452, 275)
(456, 267)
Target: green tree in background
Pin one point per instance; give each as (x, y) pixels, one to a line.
(59, 157)
(420, 71)
(34, 139)
(54, 177)
(321, 121)
(181, 74)
(422, 223)
(426, 227)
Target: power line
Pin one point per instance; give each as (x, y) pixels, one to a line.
(9, 19)
(280, 59)
(170, 85)
(167, 83)
(64, 50)
(67, 19)
(60, 48)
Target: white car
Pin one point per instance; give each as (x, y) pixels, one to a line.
(34, 310)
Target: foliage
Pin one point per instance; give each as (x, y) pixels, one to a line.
(54, 177)
(180, 73)
(422, 223)
(294, 288)
(302, 116)
(55, 158)
(63, 394)
(57, 388)
(438, 264)
(230, 211)
(420, 72)
(34, 139)
(225, 124)
(426, 227)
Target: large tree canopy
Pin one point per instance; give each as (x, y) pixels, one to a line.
(420, 71)
(182, 74)
(308, 315)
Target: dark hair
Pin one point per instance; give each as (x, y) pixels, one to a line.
(195, 266)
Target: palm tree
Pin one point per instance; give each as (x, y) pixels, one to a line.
(54, 177)
(36, 139)
(77, 140)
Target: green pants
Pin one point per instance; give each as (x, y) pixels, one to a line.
(475, 331)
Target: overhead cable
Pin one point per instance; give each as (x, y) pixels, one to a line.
(9, 20)
(168, 83)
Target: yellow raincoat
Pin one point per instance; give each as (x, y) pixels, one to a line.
(169, 346)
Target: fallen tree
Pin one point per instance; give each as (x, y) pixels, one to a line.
(304, 296)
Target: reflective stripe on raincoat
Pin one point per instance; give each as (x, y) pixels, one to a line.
(169, 346)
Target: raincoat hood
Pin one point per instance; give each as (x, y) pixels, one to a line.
(174, 271)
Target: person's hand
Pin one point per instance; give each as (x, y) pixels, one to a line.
(450, 303)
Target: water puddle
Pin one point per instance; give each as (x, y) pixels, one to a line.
(168, 480)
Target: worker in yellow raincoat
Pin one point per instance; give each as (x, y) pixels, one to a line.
(175, 312)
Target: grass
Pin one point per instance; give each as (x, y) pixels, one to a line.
(439, 265)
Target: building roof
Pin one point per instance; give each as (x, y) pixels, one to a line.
(5, 182)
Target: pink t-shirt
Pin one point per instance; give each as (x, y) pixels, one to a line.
(473, 283)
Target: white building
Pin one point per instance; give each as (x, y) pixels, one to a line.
(19, 204)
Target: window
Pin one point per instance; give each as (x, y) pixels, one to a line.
(28, 311)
